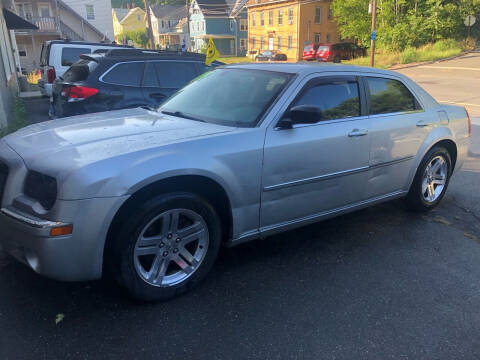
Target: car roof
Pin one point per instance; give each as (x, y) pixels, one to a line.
(68, 42)
(305, 69)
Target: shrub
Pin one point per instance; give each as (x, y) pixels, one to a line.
(444, 45)
(408, 55)
(19, 118)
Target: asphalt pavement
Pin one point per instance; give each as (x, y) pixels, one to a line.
(381, 283)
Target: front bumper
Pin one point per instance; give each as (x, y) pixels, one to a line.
(75, 257)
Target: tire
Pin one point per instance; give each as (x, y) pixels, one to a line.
(421, 197)
(137, 264)
(336, 59)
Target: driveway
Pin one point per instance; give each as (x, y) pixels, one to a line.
(381, 283)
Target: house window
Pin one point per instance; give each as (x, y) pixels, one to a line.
(231, 24)
(290, 40)
(243, 44)
(254, 20)
(253, 43)
(24, 10)
(329, 13)
(318, 15)
(317, 38)
(90, 10)
(163, 24)
(280, 17)
(44, 10)
(139, 17)
(328, 38)
(203, 25)
(243, 25)
(270, 18)
(261, 42)
(279, 43)
(290, 16)
(262, 19)
(22, 50)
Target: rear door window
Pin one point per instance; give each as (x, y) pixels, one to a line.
(71, 55)
(338, 98)
(174, 75)
(79, 71)
(390, 96)
(129, 74)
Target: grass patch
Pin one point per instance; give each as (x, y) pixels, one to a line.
(235, 59)
(19, 118)
(442, 49)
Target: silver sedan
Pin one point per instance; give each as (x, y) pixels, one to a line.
(241, 153)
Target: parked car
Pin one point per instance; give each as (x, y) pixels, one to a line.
(339, 52)
(310, 51)
(58, 55)
(124, 78)
(151, 195)
(270, 55)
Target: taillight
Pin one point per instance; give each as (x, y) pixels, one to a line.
(78, 93)
(51, 75)
(469, 123)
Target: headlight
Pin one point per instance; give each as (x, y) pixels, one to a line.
(42, 188)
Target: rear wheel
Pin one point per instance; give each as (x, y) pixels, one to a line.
(167, 246)
(431, 180)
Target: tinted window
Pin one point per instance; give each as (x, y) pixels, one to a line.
(72, 55)
(150, 76)
(125, 74)
(233, 97)
(336, 99)
(79, 71)
(389, 96)
(174, 75)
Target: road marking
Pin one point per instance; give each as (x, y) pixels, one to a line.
(450, 67)
(458, 103)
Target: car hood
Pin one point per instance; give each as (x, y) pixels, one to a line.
(94, 137)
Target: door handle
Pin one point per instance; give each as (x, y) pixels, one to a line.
(157, 96)
(358, 132)
(423, 124)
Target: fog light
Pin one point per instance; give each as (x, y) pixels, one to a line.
(61, 230)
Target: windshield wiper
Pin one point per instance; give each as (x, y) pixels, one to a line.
(182, 115)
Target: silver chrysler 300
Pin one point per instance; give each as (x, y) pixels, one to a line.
(242, 152)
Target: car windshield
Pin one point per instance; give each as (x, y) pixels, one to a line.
(308, 48)
(266, 53)
(232, 97)
(322, 48)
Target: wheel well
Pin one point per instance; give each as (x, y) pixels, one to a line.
(451, 148)
(199, 185)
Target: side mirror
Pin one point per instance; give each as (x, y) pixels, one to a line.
(301, 114)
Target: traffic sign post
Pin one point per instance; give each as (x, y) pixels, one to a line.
(469, 22)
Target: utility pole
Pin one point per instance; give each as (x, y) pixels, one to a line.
(373, 35)
(149, 22)
(187, 35)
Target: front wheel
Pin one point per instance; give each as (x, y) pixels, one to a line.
(431, 180)
(167, 246)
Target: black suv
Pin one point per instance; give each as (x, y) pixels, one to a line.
(124, 78)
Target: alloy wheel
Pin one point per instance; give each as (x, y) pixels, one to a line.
(171, 247)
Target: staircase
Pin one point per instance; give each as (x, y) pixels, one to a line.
(68, 33)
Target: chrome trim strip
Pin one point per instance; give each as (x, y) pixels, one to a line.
(392, 162)
(268, 230)
(335, 174)
(42, 224)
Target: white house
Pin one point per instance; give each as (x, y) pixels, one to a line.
(96, 12)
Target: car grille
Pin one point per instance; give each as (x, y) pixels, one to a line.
(3, 179)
